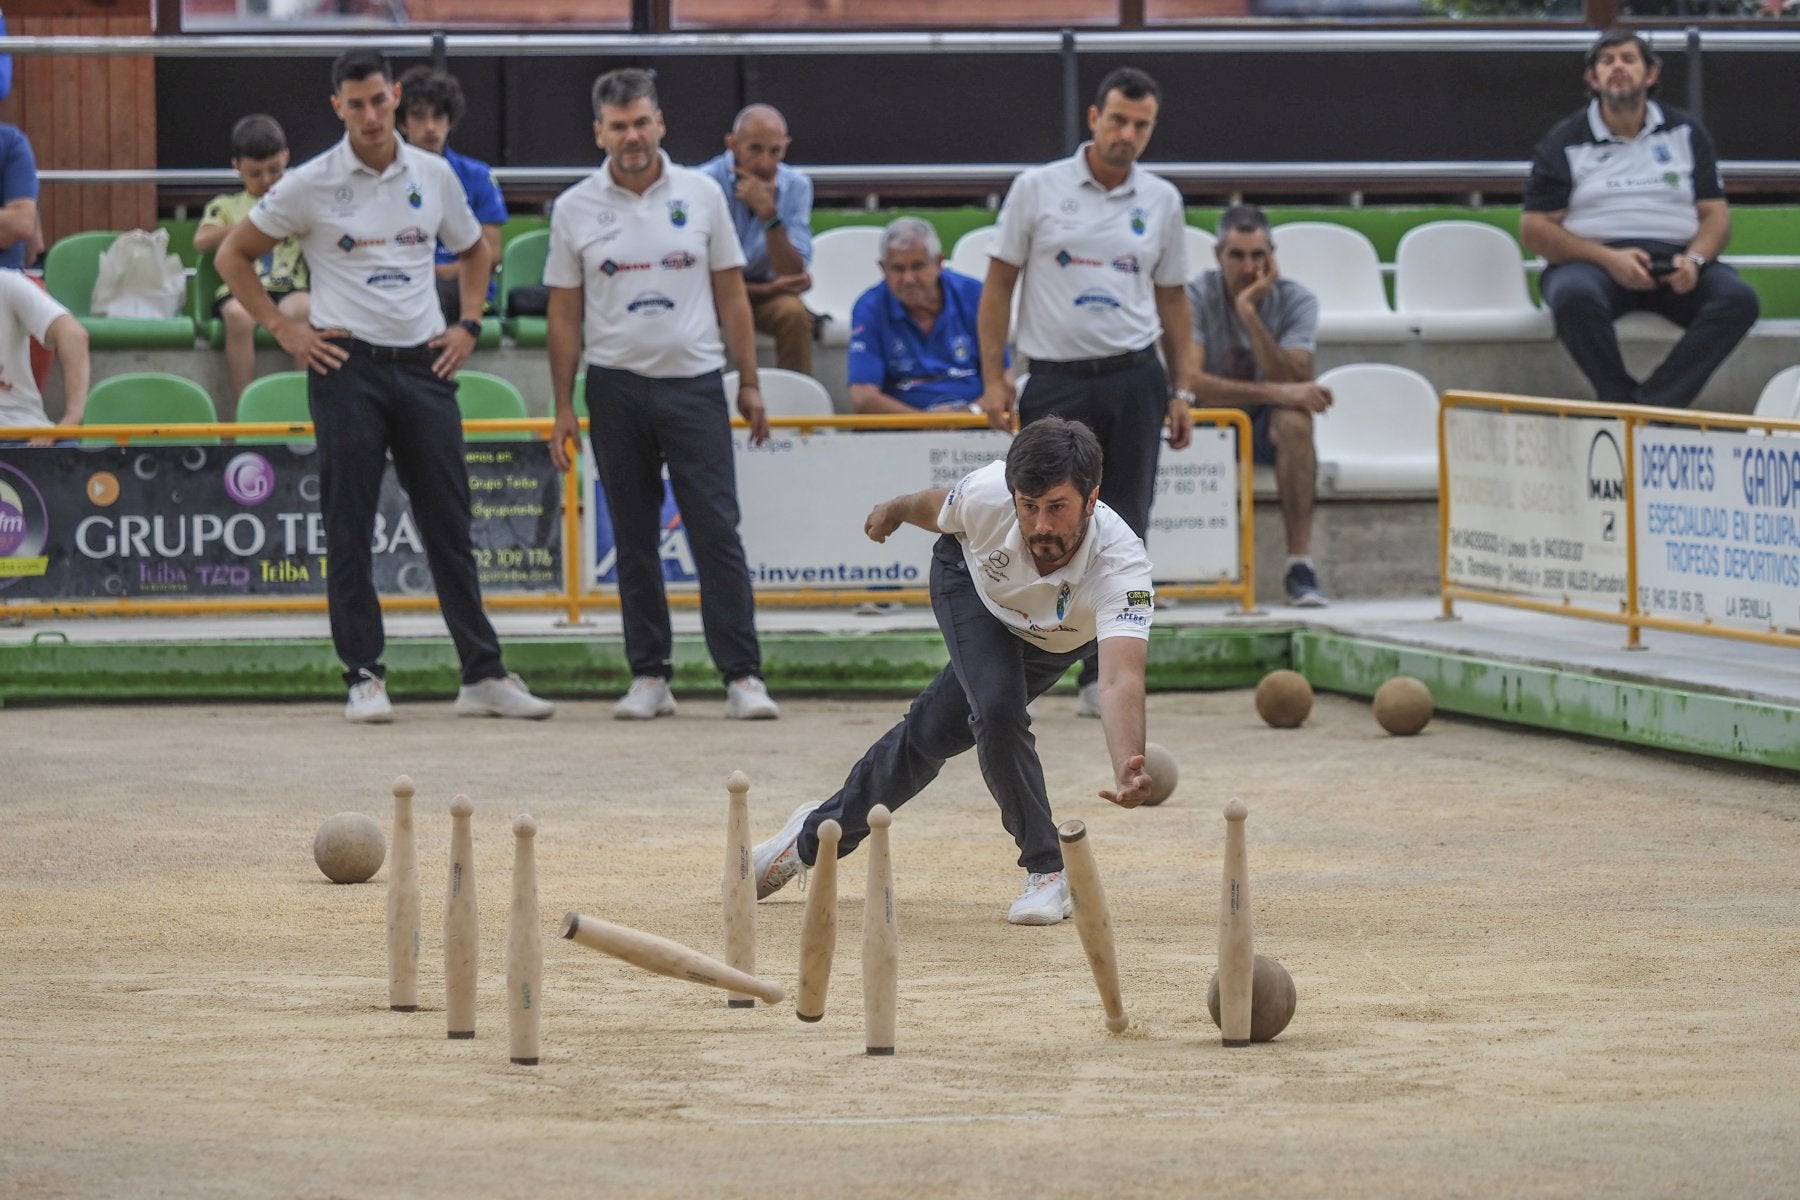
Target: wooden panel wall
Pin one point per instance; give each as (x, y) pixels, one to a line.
(91, 111)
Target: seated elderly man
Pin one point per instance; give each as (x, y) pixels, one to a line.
(913, 345)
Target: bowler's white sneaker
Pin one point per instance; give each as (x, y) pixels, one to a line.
(503, 696)
(369, 704)
(648, 699)
(747, 699)
(1045, 900)
(1087, 700)
(777, 860)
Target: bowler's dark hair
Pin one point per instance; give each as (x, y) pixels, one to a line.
(627, 85)
(434, 91)
(1130, 83)
(1618, 35)
(256, 137)
(1244, 218)
(354, 66)
(1050, 451)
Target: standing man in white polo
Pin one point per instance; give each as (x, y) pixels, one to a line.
(382, 372)
(644, 252)
(1099, 248)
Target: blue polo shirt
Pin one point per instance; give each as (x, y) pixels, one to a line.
(18, 181)
(484, 196)
(793, 204)
(941, 369)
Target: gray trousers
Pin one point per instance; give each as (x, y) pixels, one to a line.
(977, 700)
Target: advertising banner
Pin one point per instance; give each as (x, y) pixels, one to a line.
(1537, 505)
(207, 522)
(1718, 526)
(804, 497)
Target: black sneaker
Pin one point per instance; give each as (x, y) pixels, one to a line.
(1303, 589)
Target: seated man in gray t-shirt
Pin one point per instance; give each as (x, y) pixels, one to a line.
(1254, 332)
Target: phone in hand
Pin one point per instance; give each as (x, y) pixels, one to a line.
(1660, 267)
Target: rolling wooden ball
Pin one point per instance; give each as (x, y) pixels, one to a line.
(1163, 772)
(349, 848)
(1272, 999)
(1284, 699)
(1403, 705)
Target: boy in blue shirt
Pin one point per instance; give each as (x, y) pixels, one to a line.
(431, 104)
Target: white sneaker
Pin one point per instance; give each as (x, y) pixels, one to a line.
(1087, 700)
(777, 860)
(648, 699)
(1045, 900)
(747, 699)
(502, 696)
(369, 704)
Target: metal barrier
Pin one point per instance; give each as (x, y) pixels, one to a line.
(574, 597)
(1671, 484)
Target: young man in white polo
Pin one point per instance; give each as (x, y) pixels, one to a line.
(382, 373)
(1032, 572)
(644, 259)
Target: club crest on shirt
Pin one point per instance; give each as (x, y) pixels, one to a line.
(1062, 601)
(1661, 152)
(1139, 221)
(414, 196)
(959, 349)
(678, 213)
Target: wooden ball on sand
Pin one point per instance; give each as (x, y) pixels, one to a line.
(349, 848)
(1161, 767)
(1284, 699)
(1403, 705)
(1272, 999)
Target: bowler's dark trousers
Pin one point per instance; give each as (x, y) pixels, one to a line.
(1123, 399)
(1586, 301)
(386, 399)
(978, 700)
(637, 424)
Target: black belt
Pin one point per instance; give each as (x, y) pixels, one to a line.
(369, 350)
(1090, 367)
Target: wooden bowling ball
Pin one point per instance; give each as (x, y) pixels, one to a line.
(1160, 765)
(1403, 705)
(1284, 699)
(349, 848)
(1272, 999)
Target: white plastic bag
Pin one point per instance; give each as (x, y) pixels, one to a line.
(139, 277)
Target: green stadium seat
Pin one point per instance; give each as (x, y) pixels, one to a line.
(151, 398)
(70, 269)
(212, 329)
(277, 397)
(484, 397)
(522, 265)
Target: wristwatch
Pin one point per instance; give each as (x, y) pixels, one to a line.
(472, 326)
(772, 222)
(1183, 395)
(1699, 260)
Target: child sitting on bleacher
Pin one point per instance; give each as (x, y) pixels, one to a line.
(259, 154)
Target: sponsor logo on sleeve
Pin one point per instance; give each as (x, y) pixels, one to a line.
(1141, 620)
(1136, 599)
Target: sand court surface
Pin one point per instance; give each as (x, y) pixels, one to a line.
(1527, 965)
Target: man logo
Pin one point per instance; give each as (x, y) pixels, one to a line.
(1606, 468)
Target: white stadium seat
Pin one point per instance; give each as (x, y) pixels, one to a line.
(785, 394)
(970, 254)
(1339, 265)
(1380, 433)
(846, 263)
(1200, 246)
(1781, 395)
(1462, 281)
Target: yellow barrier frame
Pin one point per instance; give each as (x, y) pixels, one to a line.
(1629, 614)
(572, 599)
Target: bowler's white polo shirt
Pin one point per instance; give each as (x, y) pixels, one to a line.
(26, 312)
(1103, 592)
(370, 238)
(645, 266)
(1091, 258)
